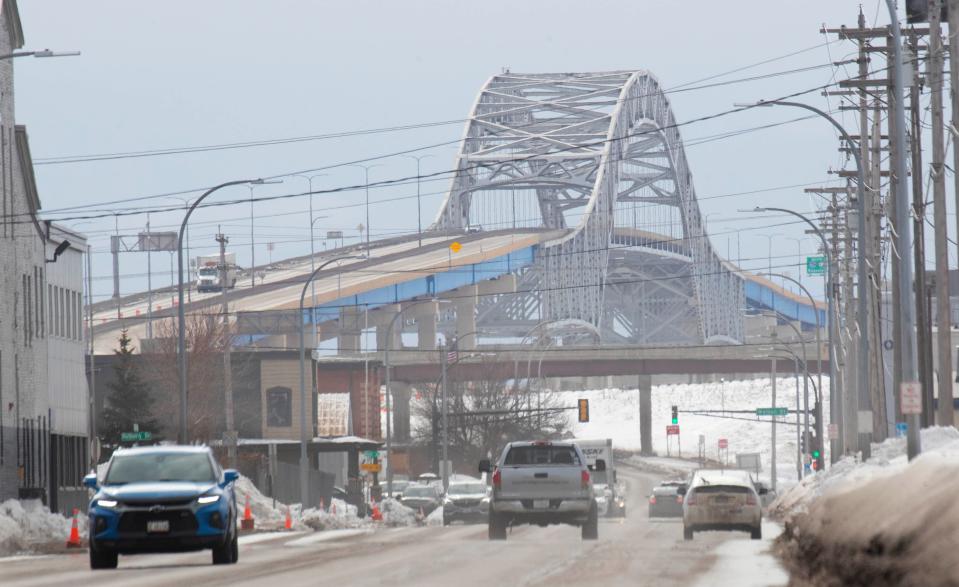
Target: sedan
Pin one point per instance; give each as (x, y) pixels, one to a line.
(421, 497)
(466, 502)
(666, 502)
(718, 502)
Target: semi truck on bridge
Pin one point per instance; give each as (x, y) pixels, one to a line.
(208, 272)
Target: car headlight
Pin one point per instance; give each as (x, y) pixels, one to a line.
(485, 500)
(207, 499)
(107, 503)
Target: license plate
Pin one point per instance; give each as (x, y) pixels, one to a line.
(541, 504)
(157, 526)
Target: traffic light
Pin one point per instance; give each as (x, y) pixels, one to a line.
(583, 410)
(675, 415)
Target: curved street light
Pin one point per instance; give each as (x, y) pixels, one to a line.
(181, 317)
(304, 437)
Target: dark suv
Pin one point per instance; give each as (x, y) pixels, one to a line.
(162, 499)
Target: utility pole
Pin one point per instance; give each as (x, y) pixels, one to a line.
(229, 435)
(895, 252)
(923, 323)
(444, 357)
(772, 467)
(939, 212)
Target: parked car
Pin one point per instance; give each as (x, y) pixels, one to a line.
(466, 501)
(542, 483)
(716, 501)
(399, 486)
(162, 499)
(419, 496)
(666, 501)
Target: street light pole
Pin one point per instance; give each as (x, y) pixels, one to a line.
(366, 171)
(419, 208)
(865, 399)
(304, 405)
(309, 179)
(181, 316)
(818, 355)
(41, 53)
(252, 240)
(837, 447)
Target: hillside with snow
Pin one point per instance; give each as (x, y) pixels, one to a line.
(614, 413)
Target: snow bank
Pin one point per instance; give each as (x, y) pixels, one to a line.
(265, 516)
(883, 522)
(29, 527)
(396, 514)
(888, 459)
(343, 516)
(435, 518)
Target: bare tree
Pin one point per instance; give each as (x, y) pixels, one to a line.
(485, 414)
(205, 341)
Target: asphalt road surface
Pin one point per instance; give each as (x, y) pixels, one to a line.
(634, 551)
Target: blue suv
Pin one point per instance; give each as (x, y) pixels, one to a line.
(162, 499)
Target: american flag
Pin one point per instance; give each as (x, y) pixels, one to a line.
(451, 356)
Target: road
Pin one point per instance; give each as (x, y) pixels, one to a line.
(636, 551)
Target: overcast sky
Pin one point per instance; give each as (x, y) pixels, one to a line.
(186, 73)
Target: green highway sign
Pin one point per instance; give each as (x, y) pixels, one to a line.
(772, 411)
(135, 436)
(816, 265)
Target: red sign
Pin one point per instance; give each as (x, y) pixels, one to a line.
(672, 430)
(723, 443)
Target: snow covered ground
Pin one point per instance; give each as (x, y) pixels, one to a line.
(29, 527)
(614, 413)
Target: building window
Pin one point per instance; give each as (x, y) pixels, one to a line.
(279, 407)
(51, 315)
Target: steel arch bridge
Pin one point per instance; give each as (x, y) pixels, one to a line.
(597, 157)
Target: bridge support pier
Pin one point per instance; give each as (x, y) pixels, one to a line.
(401, 410)
(351, 327)
(425, 315)
(645, 385)
(465, 303)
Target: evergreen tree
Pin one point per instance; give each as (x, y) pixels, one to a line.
(129, 401)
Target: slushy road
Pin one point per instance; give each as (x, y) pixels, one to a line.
(634, 551)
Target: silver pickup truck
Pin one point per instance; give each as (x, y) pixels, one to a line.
(541, 483)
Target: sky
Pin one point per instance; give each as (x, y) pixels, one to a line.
(190, 74)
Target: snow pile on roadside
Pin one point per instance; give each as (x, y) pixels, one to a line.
(888, 459)
(29, 527)
(896, 525)
(264, 515)
(435, 518)
(396, 514)
(342, 516)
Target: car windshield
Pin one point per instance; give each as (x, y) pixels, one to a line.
(418, 491)
(160, 466)
(208, 271)
(542, 455)
(467, 488)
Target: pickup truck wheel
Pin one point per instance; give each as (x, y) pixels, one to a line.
(497, 527)
(687, 533)
(102, 558)
(590, 530)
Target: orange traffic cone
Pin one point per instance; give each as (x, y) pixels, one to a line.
(247, 522)
(377, 515)
(74, 540)
(288, 524)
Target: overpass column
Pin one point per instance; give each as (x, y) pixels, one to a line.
(425, 315)
(351, 326)
(465, 303)
(645, 414)
(382, 320)
(401, 411)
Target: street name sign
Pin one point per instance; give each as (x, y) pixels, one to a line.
(772, 411)
(135, 436)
